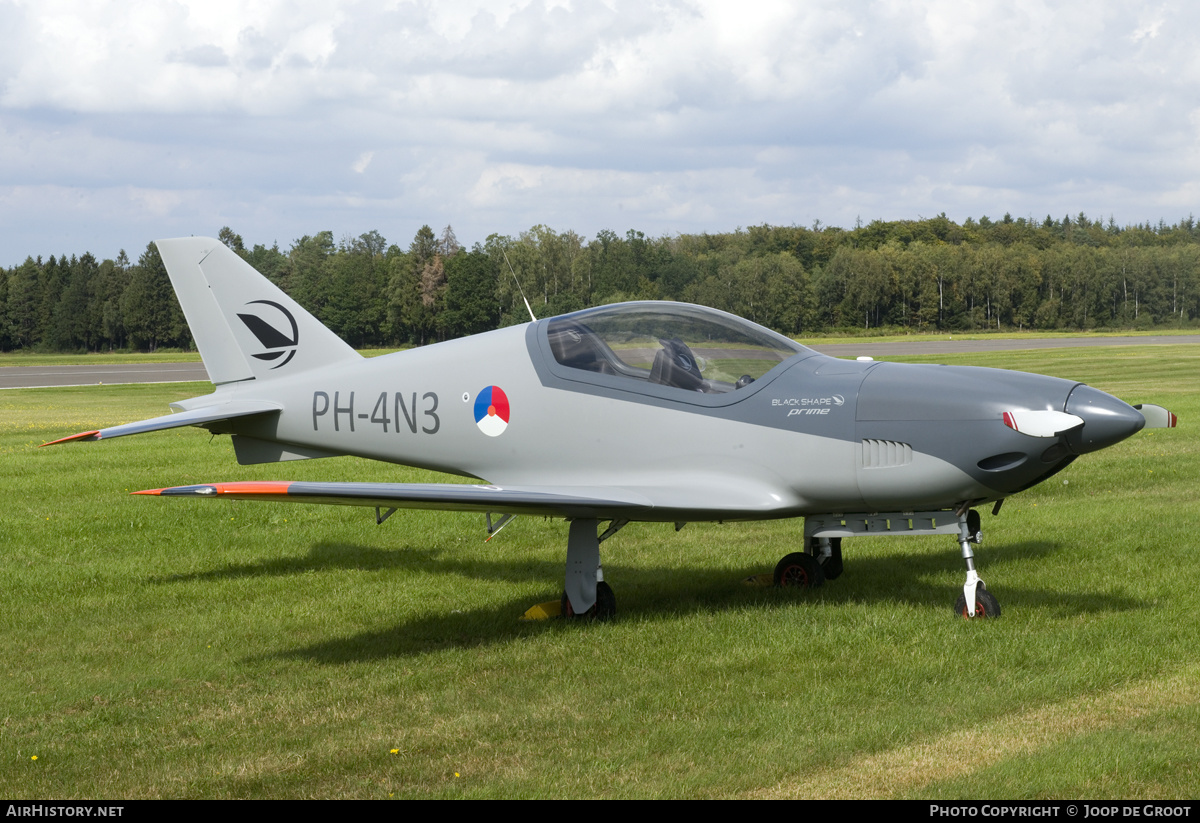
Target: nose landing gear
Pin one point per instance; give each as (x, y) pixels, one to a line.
(974, 592)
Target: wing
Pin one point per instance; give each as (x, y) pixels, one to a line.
(599, 503)
(192, 417)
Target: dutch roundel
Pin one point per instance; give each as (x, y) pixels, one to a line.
(491, 411)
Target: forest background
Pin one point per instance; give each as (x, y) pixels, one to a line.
(926, 275)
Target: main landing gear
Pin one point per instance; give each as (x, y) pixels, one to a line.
(585, 594)
(821, 559)
(811, 568)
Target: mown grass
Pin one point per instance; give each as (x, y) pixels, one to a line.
(33, 358)
(172, 648)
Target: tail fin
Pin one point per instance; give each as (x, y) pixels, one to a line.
(245, 327)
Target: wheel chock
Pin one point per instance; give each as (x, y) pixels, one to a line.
(544, 611)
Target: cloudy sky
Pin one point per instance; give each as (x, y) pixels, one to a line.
(126, 121)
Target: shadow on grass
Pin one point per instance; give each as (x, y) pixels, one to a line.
(915, 579)
(329, 556)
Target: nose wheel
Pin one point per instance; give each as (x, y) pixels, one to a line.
(985, 604)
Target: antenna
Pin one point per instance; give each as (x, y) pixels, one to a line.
(521, 290)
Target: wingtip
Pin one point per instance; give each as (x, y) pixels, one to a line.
(90, 435)
(202, 490)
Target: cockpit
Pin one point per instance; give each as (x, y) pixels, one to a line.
(668, 344)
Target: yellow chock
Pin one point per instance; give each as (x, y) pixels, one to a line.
(544, 611)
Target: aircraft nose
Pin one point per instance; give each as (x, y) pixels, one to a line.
(1106, 420)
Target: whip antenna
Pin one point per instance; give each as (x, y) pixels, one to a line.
(521, 290)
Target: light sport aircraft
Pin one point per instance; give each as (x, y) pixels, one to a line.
(652, 411)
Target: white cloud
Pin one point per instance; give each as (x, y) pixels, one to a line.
(364, 160)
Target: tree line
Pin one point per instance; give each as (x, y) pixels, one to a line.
(920, 275)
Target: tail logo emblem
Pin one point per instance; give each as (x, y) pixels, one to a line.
(277, 343)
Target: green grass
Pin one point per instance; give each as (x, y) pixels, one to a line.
(176, 648)
(27, 358)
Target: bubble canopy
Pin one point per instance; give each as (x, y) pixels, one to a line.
(676, 345)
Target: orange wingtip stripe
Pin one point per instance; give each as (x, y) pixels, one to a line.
(94, 435)
(253, 487)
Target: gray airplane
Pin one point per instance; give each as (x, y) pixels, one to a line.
(650, 411)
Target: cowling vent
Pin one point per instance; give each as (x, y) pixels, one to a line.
(884, 454)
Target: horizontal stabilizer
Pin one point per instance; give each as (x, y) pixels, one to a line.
(193, 417)
(548, 501)
(1157, 417)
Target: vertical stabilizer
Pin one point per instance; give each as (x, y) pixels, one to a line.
(245, 327)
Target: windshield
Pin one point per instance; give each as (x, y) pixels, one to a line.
(669, 344)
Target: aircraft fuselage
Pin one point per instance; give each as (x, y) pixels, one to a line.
(814, 434)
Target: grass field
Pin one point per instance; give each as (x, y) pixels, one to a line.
(28, 358)
(176, 648)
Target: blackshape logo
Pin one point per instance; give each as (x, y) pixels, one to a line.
(270, 336)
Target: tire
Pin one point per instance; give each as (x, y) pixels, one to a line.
(985, 604)
(799, 570)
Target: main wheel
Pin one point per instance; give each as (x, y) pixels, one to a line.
(985, 604)
(605, 607)
(799, 570)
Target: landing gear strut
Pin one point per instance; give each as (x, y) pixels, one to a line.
(605, 607)
(585, 594)
(828, 552)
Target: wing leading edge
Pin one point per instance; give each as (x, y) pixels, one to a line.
(551, 502)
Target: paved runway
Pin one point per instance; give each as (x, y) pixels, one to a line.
(29, 377)
(14, 377)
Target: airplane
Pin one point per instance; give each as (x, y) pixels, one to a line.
(653, 412)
